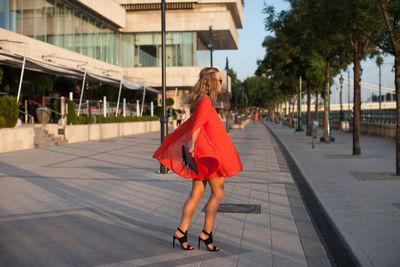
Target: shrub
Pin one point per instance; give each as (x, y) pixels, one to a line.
(9, 110)
(71, 112)
(169, 101)
(72, 118)
(102, 119)
(83, 120)
(2, 122)
(56, 107)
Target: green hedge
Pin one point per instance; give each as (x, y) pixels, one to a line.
(72, 118)
(83, 120)
(9, 110)
(2, 122)
(126, 119)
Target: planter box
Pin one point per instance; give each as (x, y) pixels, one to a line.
(88, 132)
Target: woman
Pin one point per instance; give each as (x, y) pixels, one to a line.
(213, 151)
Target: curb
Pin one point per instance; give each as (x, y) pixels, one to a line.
(336, 247)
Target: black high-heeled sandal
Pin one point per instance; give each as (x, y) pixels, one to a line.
(182, 240)
(208, 241)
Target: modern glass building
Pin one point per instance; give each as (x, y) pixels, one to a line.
(122, 37)
(64, 25)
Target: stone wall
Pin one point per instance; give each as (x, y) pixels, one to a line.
(81, 133)
(12, 139)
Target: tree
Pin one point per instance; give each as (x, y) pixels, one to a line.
(358, 47)
(387, 38)
(328, 41)
(43, 84)
(236, 91)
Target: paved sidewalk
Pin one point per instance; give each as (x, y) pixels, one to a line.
(361, 194)
(103, 204)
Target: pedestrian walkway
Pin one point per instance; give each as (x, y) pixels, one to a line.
(102, 203)
(359, 194)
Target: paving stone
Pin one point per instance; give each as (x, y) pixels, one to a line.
(102, 203)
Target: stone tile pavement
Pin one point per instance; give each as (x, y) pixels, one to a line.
(102, 203)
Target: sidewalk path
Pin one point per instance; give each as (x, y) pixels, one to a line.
(101, 203)
(361, 195)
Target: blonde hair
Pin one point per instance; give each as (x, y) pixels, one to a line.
(206, 86)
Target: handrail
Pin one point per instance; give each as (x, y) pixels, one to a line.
(41, 105)
(27, 114)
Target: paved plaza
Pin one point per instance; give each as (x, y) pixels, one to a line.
(102, 203)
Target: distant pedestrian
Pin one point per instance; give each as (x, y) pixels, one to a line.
(213, 151)
(183, 115)
(178, 118)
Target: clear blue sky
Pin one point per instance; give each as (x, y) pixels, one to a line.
(244, 60)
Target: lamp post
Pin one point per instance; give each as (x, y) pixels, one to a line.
(299, 119)
(210, 44)
(341, 103)
(163, 119)
(227, 94)
(348, 90)
(379, 62)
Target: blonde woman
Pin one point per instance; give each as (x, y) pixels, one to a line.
(216, 157)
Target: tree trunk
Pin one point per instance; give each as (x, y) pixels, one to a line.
(396, 48)
(326, 103)
(273, 114)
(289, 118)
(397, 85)
(356, 108)
(316, 105)
(308, 132)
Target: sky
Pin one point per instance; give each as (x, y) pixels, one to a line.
(244, 60)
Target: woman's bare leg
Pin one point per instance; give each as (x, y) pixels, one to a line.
(217, 193)
(198, 188)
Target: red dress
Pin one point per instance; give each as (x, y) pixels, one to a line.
(214, 151)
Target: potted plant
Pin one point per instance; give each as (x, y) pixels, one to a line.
(43, 84)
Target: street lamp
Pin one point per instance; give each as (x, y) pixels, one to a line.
(299, 118)
(163, 119)
(341, 103)
(227, 93)
(210, 44)
(348, 91)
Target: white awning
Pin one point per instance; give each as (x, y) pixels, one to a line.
(35, 65)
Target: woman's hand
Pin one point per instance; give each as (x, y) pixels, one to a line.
(191, 147)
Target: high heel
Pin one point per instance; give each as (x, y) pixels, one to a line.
(208, 241)
(182, 240)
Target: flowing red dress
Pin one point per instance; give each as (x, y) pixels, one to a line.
(214, 152)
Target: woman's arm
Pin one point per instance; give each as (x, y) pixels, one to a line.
(191, 143)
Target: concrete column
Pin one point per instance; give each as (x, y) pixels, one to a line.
(71, 96)
(137, 108)
(151, 108)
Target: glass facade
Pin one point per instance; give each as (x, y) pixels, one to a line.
(144, 49)
(57, 23)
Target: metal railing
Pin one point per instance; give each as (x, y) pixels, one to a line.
(385, 116)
